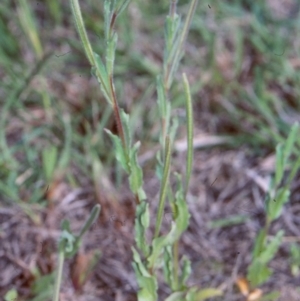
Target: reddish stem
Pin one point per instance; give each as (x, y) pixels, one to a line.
(117, 114)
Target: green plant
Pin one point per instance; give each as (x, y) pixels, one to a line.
(295, 260)
(11, 295)
(69, 245)
(148, 260)
(278, 194)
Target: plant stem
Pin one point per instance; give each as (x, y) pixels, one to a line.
(59, 276)
(173, 8)
(112, 23)
(137, 199)
(117, 114)
(164, 186)
(176, 262)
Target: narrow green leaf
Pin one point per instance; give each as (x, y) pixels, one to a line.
(186, 271)
(81, 30)
(107, 17)
(293, 172)
(275, 207)
(91, 219)
(172, 25)
(137, 260)
(271, 248)
(160, 242)
(168, 267)
(259, 243)
(147, 283)
(49, 156)
(119, 150)
(136, 173)
(227, 222)
(190, 127)
(29, 25)
(182, 215)
(289, 144)
(173, 129)
(126, 127)
(110, 53)
(42, 285)
(178, 227)
(142, 221)
(102, 76)
(170, 57)
(258, 273)
(123, 6)
(147, 293)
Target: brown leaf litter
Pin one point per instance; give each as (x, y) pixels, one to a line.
(213, 252)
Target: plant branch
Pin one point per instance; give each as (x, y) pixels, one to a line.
(59, 276)
(164, 187)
